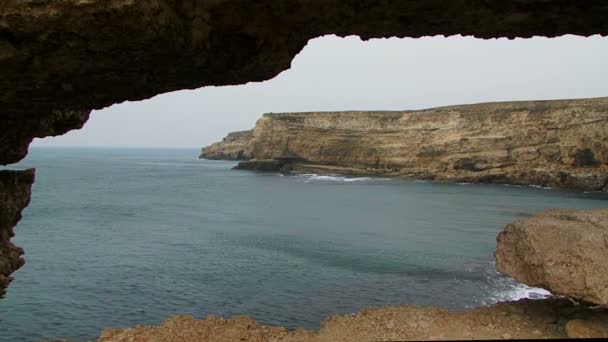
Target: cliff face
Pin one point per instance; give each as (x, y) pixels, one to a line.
(15, 190)
(235, 146)
(560, 143)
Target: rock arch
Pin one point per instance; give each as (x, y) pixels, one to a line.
(60, 59)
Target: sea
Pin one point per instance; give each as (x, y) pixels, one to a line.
(122, 237)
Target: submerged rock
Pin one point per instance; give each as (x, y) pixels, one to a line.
(260, 165)
(563, 251)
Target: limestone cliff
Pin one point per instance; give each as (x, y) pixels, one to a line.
(235, 146)
(562, 143)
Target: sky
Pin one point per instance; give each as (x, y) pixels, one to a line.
(332, 74)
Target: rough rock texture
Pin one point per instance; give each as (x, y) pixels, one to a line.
(514, 320)
(61, 58)
(593, 328)
(563, 251)
(235, 146)
(15, 190)
(561, 143)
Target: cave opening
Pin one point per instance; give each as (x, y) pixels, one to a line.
(457, 70)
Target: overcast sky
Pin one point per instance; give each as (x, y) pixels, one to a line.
(334, 73)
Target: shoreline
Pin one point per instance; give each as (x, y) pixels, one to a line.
(448, 178)
(523, 319)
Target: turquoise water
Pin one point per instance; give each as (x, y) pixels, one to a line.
(118, 237)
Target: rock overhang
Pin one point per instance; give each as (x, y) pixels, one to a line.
(61, 59)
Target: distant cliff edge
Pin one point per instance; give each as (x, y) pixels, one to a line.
(561, 143)
(235, 146)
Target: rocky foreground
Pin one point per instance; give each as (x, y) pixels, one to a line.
(561, 143)
(532, 319)
(565, 251)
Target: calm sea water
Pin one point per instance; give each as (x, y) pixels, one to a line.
(118, 237)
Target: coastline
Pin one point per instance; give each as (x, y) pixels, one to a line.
(523, 319)
(539, 178)
(557, 143)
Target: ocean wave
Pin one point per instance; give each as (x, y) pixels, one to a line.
(311, 177)
(520, 291)
(540, 187)
(499, 288)
(507, 289)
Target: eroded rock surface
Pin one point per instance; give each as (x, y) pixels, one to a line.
(235, 146)
(593, 328)
(561, 143)
(563, 251)
(15, 190)
(72, 56)
(527, 319)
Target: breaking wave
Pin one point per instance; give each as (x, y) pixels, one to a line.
(312, 177)
(507, 289)
(540, 187)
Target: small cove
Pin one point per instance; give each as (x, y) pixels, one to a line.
(120, 237)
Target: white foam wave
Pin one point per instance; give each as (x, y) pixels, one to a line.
(540, 187)
(339, 179)
(311, 177)
(502, 289)
(522, 291)
(517, 292)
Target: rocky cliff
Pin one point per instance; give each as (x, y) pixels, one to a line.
(235, 146)
(15, 190)
(562, 143)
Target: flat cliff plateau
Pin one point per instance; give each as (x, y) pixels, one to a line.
(557, 143)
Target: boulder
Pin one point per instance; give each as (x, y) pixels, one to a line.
(563, 251)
